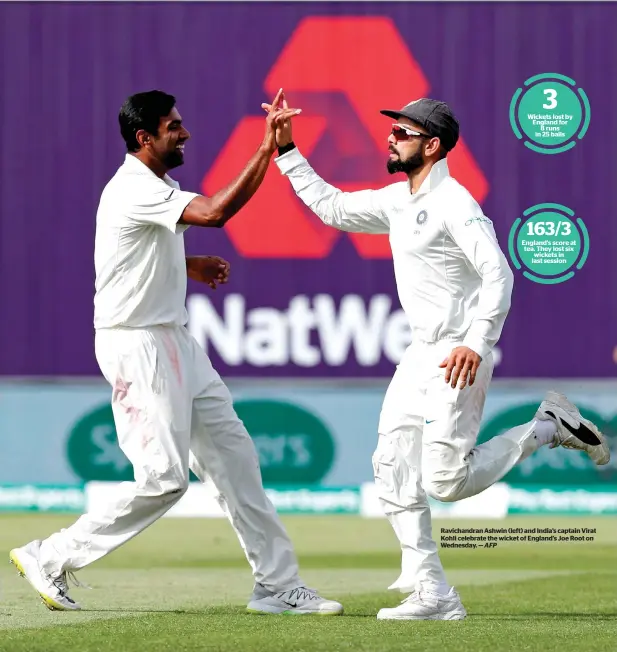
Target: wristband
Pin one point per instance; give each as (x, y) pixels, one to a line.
(286, 148)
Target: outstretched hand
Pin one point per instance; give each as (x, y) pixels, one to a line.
(278, 120)
(281, 122)
(210, 270)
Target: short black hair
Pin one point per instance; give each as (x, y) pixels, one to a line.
(143, 111)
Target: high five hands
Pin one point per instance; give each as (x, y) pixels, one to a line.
(279, 119)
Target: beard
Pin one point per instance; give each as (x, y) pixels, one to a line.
(408, 165)
(173, 159)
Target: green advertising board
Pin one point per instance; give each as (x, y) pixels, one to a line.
(294, 445)
(305, 434)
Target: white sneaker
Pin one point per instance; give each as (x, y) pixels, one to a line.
(573, 430)
(426, 605)
(53, 591)
(299, 601)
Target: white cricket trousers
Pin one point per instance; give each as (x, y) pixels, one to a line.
(427, 446)
(173, 412)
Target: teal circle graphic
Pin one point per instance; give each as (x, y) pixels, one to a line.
(550, 113)
(548, 243)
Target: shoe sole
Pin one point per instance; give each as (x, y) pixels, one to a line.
(603, 446)
(448, 616)
(50, 603)
(293, 612)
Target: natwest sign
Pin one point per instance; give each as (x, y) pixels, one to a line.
(340, 130)
(310, 332)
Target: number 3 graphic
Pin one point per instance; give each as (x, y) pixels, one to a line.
(552, 102)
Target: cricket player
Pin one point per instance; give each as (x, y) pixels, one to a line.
(171, 409)
(454, 284)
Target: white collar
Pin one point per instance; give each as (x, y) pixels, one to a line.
(135, 165)
(438, 173)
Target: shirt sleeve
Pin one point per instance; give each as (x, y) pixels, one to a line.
(153, 201)
(475, 235)
(357, 212)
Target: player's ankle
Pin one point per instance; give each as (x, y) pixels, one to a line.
(544, 432)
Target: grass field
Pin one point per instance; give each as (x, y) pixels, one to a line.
(183, 585)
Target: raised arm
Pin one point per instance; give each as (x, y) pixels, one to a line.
(217, 210)
(359, 212)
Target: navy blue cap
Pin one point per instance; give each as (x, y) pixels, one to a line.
(434, 116)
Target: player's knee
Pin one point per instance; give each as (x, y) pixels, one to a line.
(384, 459)
(397, 483)
(443, 486)
(171, 484)
(442, 491)
(173, 491)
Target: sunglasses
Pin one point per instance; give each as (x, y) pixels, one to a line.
(401, 132)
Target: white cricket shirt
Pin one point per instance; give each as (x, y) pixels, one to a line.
(139, 250)
(453, 280)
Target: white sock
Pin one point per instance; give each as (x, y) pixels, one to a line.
(544, 431)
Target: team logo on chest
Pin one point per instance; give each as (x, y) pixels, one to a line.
(421, 217)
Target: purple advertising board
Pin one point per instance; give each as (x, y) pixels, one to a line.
(303, 300)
